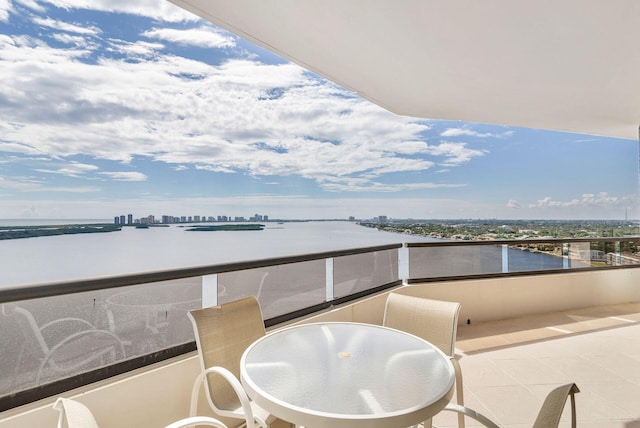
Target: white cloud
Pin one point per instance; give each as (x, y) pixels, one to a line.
(5, 9)
(72, 169)
(20, 183)
(360, 185)
(71, 40)
(126, 176)
(455, 153)
(242, 115)
(28, 184)
(73, 189)
(203, 36)
(31, 4)
(602, 199)
(457, 132)
(513, 204)
(155, 9)
(137, 49)
(65, 26)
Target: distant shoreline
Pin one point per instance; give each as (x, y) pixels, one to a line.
(21, 232)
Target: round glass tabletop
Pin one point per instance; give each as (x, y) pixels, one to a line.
(347, 372)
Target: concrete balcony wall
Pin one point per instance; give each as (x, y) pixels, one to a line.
(159, 394)
(503, 298)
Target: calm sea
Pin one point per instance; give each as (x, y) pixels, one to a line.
(131, 250)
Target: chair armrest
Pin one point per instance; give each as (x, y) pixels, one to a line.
(197, 420)
(247, 411)
(472, 414)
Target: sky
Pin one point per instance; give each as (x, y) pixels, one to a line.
(116, 107)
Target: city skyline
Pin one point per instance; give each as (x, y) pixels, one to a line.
(108, 106)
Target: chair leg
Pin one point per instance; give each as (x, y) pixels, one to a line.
(195, 394)
(459, 389)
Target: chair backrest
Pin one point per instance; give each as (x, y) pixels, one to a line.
(74, 414)
(222, 334)
(551, 410)
(435, 321)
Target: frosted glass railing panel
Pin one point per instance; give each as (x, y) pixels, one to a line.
(359, 272)
(537, 256)
(280, 289)
(619, 253)
(442, 261)
(238, 284)
(154, 316)
(45, 340)
(580, 255)
(629, 253)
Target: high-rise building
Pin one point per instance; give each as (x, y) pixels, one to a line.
(129, 218)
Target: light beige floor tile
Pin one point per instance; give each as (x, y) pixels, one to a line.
(509, 404)
(582, 370)
(481, 371)
(623, 395)
(509, 366)
(534, 371)
(450, 419)
(624, 366)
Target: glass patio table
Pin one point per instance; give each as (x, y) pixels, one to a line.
(340, 374)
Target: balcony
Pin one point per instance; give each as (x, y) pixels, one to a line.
(521, 331)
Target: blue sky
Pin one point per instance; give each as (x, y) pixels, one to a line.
(116, 107)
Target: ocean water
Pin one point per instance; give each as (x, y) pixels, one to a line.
(131, 250)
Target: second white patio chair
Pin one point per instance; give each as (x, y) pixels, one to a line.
(435, 321)
(548, 416)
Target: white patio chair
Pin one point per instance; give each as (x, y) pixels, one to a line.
(435, 321)
(548, 416)
(74, 414)
(222, 335)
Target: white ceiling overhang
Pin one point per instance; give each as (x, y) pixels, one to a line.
(571, 65)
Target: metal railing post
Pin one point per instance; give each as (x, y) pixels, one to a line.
(505, 258)
(403, 263)
(329, 279)
(209, 290)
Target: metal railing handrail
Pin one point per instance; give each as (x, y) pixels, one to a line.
(51, 289)
(459, 242)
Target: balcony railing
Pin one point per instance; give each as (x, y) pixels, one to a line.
(449, 259)
(59, 336)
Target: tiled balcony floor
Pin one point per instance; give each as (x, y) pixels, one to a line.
(509, 366)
